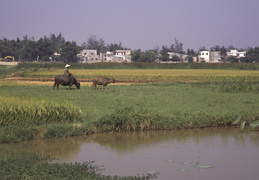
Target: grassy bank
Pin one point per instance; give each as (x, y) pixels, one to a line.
(188, 98)
(166, 105)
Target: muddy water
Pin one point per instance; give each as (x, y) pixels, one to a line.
(213, 153)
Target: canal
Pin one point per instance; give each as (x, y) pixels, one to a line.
(209, 153)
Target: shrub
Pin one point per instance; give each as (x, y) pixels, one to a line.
(129, 119)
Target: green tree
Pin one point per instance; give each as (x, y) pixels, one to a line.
(252, 55)
(136, 55)
(177, 47)
(190, 59)
(69, 52)
(148, 56)
(176, 58)
(164, 53)
(190, 52)
(222, 49)
(114, 46)
(45, 49)
(95, 43)
(30, 51)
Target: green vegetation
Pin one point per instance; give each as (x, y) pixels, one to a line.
(16, 111)
(43, 50)
(30, 167)
(4, 70)
(34, 111)
(240, 66)
(161, 105)
(206, 98)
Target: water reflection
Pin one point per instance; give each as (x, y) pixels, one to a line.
(172, 153)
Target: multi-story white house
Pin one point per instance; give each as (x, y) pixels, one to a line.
(209, 56)
(122, 56)
(107, 57)
(204, 56)
(215, 56)
(91, 56)
(88, 56)
(236, 53)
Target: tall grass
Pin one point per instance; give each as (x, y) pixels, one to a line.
(30, 118)
(16, 110)
(130, 119)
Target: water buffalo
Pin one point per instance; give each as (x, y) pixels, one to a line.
(66, 81)
(104, 81)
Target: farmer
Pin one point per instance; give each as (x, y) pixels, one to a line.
(66, 70)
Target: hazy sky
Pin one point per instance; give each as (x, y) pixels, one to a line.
(142, 24)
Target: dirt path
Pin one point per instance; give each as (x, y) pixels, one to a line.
(9, 63)
(79, 79)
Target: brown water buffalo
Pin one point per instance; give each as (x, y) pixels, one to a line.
(104, 81)
(66, 81)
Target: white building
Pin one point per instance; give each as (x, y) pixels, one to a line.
(215, 56)
(91, 56)
(107, 57)
(122, 56)
(209, 56)
(88, 56)
(235, 53)
(204, 56)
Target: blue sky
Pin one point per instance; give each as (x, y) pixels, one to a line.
(143, 24)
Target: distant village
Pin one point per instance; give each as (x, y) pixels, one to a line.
(56, 49)
(124, 56)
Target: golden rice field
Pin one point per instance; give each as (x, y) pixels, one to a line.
(151, 74)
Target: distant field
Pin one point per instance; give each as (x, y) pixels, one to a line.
(148, 74)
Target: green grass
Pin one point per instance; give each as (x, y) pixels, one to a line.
(138, 107)
(6, 70)
(19, 110)
(164, 98)
(160, 105)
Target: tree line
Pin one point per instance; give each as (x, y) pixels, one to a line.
(43, 49)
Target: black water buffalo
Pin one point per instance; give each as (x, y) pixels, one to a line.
(104, 81)
(66, 81)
